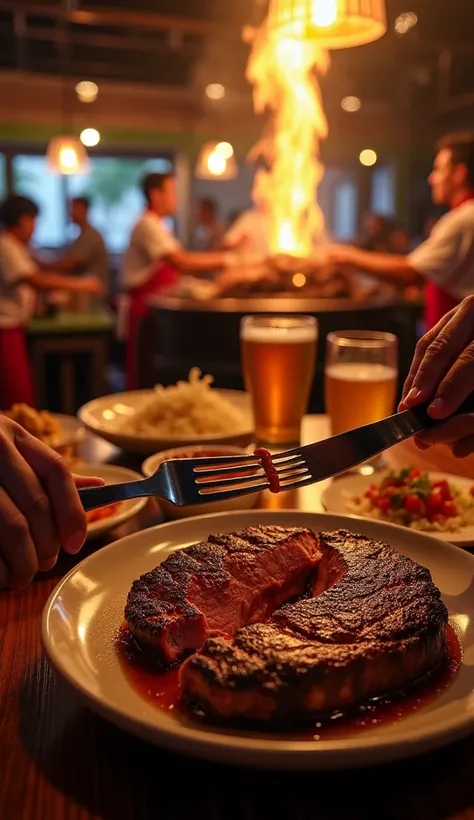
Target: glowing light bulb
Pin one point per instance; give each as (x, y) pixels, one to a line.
(351, 104)
(90, 137)
(368, 157)
(216, 164)
(68, 158)
(225, 149)
(324, 13)
(87, 91)
(215, 91)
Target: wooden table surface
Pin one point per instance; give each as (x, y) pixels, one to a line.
(58, 761)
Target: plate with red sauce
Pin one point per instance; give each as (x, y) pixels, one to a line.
(85, 641)
(106, 518)
(244, 502)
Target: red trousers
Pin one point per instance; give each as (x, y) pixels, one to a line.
(16, 377)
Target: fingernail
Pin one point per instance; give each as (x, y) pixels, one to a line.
(436, 407)
(413, 395)
(49, 564)
(75, 542)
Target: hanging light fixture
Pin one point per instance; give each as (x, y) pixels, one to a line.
(216, 161)
(66, 155)
(332, 23)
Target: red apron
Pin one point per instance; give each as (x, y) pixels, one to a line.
(438, 302)
(16, 378)
(163, 277)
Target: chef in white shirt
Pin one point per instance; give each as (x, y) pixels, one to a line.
(155, 260)
(445, 261)
(19, 278)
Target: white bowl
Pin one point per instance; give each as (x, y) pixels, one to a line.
(243, 502)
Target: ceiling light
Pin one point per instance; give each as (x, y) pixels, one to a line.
(225, 149)
(90, 137)
(215, 91)
(214, 164)
(87, 91)
(66, 155)
(331, 23)
(368, 157)
(351, 104)
(405, 22)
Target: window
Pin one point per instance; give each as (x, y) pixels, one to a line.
(382, 200)
(32, 178)
(3, 176)
(345, 210)
(113, 187)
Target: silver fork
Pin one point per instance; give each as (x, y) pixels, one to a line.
(186, 482)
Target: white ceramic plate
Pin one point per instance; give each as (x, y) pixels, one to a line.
(82, 616)
(72, 431)
(335, 498)
(107, 417)
(127, 509)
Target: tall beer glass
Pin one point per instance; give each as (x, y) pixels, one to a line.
(360, 378)
(278, 355)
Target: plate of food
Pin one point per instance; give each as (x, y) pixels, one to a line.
(436, 503)
(189, 412)
(106, 518)
(58, 431)
(276, 639)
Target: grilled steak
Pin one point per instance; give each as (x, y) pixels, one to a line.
(218, 586)
(376, 624)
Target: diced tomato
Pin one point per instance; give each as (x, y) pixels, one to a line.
(385, 504)
(415, 474)
(435, 518)
(435, 501)
(443, 487)
(413, 505)
(449, 509)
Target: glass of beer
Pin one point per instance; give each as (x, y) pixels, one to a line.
(279, 355)
(360, 378)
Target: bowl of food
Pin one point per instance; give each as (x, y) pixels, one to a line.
(187, 413)
(243, 502)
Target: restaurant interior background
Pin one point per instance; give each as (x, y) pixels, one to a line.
(171, 76)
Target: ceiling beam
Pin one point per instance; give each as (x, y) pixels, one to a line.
(121, 18)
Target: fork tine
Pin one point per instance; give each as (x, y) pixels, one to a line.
(236, 481)
(258, 470)
(201, 464)
(211, 495)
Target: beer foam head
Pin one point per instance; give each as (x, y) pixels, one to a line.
(361, 372)
(275, 334)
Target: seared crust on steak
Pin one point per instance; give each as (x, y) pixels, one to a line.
(375, 626)
(218, 586)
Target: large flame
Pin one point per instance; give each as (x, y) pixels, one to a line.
(284, 76)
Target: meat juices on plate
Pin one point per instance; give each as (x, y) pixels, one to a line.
(366, 621)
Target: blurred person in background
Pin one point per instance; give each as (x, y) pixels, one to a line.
(87, 255)
(20, 276)
(209, 231)
(375, 233)
(155, 261)
(445, 260)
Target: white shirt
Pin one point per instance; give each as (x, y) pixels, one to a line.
(17, 301)
(254, 226)
(447, 256)
(150, 241)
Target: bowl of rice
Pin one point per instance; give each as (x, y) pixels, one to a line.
(189, 412)
(244, 502)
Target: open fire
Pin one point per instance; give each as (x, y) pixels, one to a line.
(284, 74)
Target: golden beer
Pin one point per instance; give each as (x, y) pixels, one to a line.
(357, 394)
(278, 355)
(360, 376)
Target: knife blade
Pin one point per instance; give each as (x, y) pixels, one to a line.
(341, 453)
